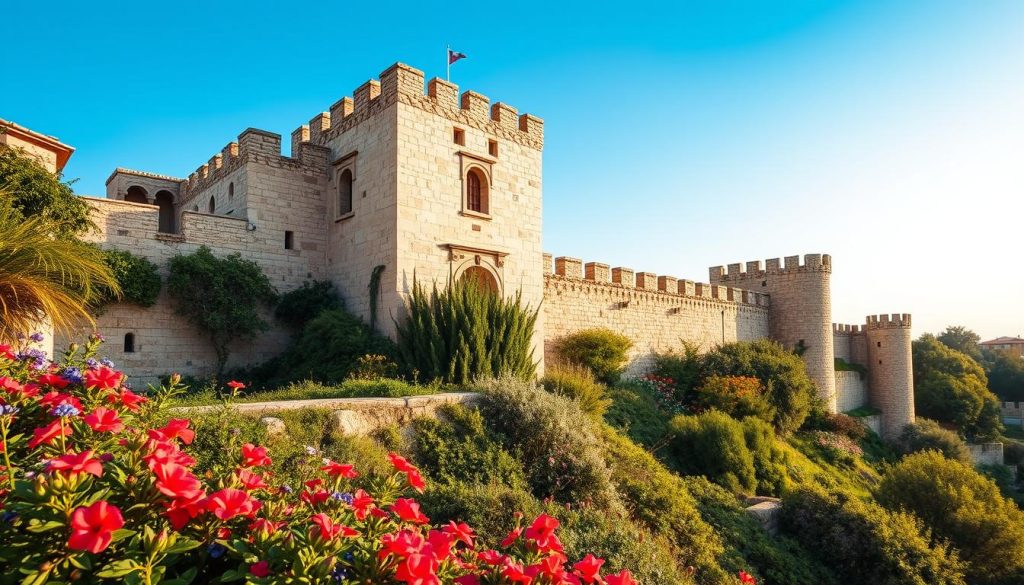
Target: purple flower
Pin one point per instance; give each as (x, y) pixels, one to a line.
(216, 550)
(72, 375)
(65, 409)
(8, 409)
(36, 337)
(92, 363)
(107, 363)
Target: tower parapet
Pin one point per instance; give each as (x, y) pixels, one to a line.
(890, 371)
(800, 316)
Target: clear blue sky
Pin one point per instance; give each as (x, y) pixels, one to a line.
(678, 135)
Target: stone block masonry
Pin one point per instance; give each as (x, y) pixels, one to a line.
(655, 319)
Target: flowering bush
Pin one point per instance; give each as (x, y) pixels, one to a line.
(91, 489)
(665, 391)
(838, 447)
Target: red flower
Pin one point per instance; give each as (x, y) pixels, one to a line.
(361, 503)
(589, 569)
(340, 470)
(418, 569)
(127, 398)
(460, 532)
(176, 428)
(314, 498)
(165, 453)
(92, 527)
(73, 464)
(235, 385)
(180, 511)
(250, 480)
(440, 544)
(5, 351)
(512, 537)
(253, 456)
(514, 572)
(623, 578)
(177, 482)
(54, 398)
(228, 503)
(542, 532)
(328, 529)
(53, 381)
(409, 511)
(491, 557)
(104, 420)
(412, 473)
(46, 435)
(262, 525)
(467, 580)
(103, 378)
(747, 579)
(402, 544)
(260, 569)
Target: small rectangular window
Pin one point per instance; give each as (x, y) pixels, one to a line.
(492, 148)
(289, 240)
(459, 136)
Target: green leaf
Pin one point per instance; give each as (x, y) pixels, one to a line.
(115, 569)
(182, 545)
(122, 534)
(36, 527)
(81, 561)
(184, 579)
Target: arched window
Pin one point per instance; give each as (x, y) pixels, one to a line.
(165, 201)
(345, 192)
(476, 191)
(481, 277)
(136, 194)
(212, 206)
(231, 191)
(129, 343)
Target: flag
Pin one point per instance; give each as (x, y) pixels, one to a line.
(454, 56)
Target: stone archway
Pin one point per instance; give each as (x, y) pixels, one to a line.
(482, 277)
(136, 194)
(165, 201)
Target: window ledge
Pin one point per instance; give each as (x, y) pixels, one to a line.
(345, 216)
(475, 214)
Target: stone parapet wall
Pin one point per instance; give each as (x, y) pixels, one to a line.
(851, 391)
(655, 320)
(986, 453)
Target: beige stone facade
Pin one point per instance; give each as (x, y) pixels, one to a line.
(423, 183)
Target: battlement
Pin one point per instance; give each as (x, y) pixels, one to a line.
(755, 269)
(844, 329)
(598, 273)
(894, 321)
(401, 83)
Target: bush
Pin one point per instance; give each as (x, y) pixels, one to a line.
(865, 543)
(602, 351)
(961, 505)
(712, 444)
(682, 366)
(577, 383)
(465, 333)
(328, 349)
(842, 424)
(138, 278)
(36, 192)
(744, 457)
(220, 296)
(459, 449)
(374, 366)
(737, 396)
(552, 437)
(300, 306)
(635, 410)
(924, 435)
(787, 387)
(951, 387)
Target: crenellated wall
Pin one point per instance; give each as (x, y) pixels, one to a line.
(657, 312)
(801, 313)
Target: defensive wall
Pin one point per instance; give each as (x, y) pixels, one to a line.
(656, 312)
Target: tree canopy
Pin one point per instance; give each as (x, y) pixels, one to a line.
(963, 340)
(951, 387)
(36, 192)
(1005, 375)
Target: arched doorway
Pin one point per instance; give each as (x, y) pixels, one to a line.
(165, 201)
(481, 277)
(136, 194)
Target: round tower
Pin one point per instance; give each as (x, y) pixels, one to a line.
(890, 371)
(799, 312)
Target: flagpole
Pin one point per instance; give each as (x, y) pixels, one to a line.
(448, 63)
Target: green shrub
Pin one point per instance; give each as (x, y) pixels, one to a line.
(459, 449)
(602, 351)
(553, 438)
(491, 509)
(300, 306)
(659, 500)
(924, 435)
(577, 383)
(712, 444)
(737, 396)
(866, 543)
(682, 366)
(843, 424)
(36, 192)
(961, 505)
(770, 458)
(951, 387)
(138, 278)
(328, 349)
(636, 412)
(465, 333)
(374, 366)
(787, 387)
(774, 560)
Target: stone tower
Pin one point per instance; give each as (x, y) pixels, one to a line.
(890, 371)
(800, 314)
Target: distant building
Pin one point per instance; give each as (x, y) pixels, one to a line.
(50, 152)
(1013, 345)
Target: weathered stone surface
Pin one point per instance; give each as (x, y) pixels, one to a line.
(274, 426)
(352, 422)
(767, 513)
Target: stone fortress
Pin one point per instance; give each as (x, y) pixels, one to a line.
(436, 185)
